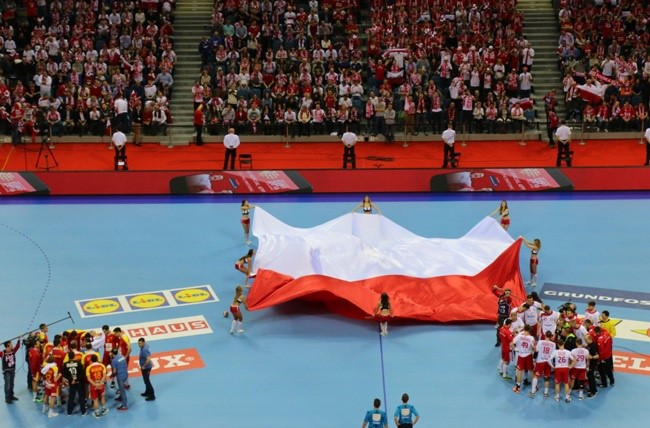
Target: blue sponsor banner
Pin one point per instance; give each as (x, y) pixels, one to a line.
(602, 296)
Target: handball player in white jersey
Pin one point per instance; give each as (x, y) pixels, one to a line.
(545, 348)
(562, 361)
(524, 346)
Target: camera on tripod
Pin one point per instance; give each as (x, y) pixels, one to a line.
(46, 151)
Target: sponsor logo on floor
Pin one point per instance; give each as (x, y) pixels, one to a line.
(165, 329)
(632, 330)
(602, 296)
(146, 301)
(633, 363)
(168, 362)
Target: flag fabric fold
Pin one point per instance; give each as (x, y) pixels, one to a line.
(346, 263)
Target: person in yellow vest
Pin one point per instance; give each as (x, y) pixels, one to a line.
(607, 323)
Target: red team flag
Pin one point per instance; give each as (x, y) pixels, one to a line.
(348, 262)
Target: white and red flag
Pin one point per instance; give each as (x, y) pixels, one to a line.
(346, 263)
(592, 93)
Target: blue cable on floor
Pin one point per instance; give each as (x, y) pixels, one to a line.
(383, 373)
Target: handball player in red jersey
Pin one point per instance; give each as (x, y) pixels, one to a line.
(505, 339)
(96, 375)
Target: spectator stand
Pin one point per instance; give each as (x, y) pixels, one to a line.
(310, 55)
(69, 60)
(602, 55)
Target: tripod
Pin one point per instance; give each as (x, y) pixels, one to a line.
(46, 151)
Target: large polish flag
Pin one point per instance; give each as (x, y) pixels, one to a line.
(346, 263)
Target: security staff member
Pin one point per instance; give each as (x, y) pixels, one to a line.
(349, 139)
(230, 142)
(448, 138)
(563, 135)
(119, 144)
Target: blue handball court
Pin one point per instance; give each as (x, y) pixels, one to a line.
(162, 267)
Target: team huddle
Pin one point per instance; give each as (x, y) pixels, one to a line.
(577, 351)
(74, 366)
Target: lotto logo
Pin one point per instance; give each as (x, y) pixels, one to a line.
(170, 361)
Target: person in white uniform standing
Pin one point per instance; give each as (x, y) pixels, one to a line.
(563, 135)
(448, 138)
(119, 144)
(230, 142)
(349, 140)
